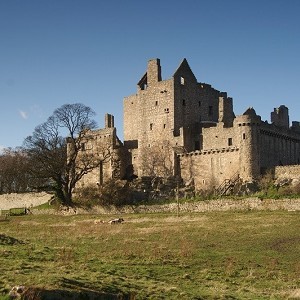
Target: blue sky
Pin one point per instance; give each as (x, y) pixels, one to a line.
(94, 52)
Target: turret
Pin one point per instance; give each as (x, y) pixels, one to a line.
(248, 127)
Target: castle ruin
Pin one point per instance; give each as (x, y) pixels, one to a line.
(184, 128)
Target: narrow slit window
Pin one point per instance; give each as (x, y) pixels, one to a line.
(182, 80)
(183, 102)
(151, 126)
(230, 142)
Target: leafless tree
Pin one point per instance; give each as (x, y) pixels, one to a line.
(61, 160)
(158, 161)
(14, 176)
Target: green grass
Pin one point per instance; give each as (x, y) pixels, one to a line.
(224, 255)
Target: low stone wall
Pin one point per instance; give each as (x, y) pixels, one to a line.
(200, 206)
(14, 200)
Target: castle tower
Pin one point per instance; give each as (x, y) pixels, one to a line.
(248, 130)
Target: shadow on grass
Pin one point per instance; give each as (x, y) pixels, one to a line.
(8, 240)
(58, 294)
(74, 289)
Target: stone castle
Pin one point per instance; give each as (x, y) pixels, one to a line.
(187, 129)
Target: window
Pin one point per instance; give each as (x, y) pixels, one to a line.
(183, 102)
(182, 80)
(156, 103)
(199, 103)
(244, 136)
(151, 126)
(165, 126)
(230, 142)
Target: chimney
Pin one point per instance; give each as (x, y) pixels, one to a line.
(109, 121)
(153, 71)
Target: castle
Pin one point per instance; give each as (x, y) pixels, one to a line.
(184, 128)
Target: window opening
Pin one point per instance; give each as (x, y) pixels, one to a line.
(230, 142)
(182, 80)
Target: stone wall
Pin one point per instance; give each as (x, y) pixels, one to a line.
(209, 168)
(249, 204)
(8, 201)
(287, 172)
(278, 146)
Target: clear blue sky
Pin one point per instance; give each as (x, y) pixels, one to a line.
(94, 52)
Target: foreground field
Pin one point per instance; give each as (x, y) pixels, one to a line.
(246, 255)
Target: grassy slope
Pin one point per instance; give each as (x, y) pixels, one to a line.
(246, 255)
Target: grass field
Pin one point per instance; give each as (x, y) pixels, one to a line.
(221, 255)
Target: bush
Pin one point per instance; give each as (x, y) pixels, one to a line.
(113, 192)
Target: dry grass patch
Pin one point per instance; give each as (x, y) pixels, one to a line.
(224, 255)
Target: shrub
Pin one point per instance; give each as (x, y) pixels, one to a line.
(113, 192)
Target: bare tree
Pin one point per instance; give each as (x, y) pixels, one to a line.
(60, 160)
(14, 176)
(158, 162)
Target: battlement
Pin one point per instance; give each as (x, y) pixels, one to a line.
(208, 151)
